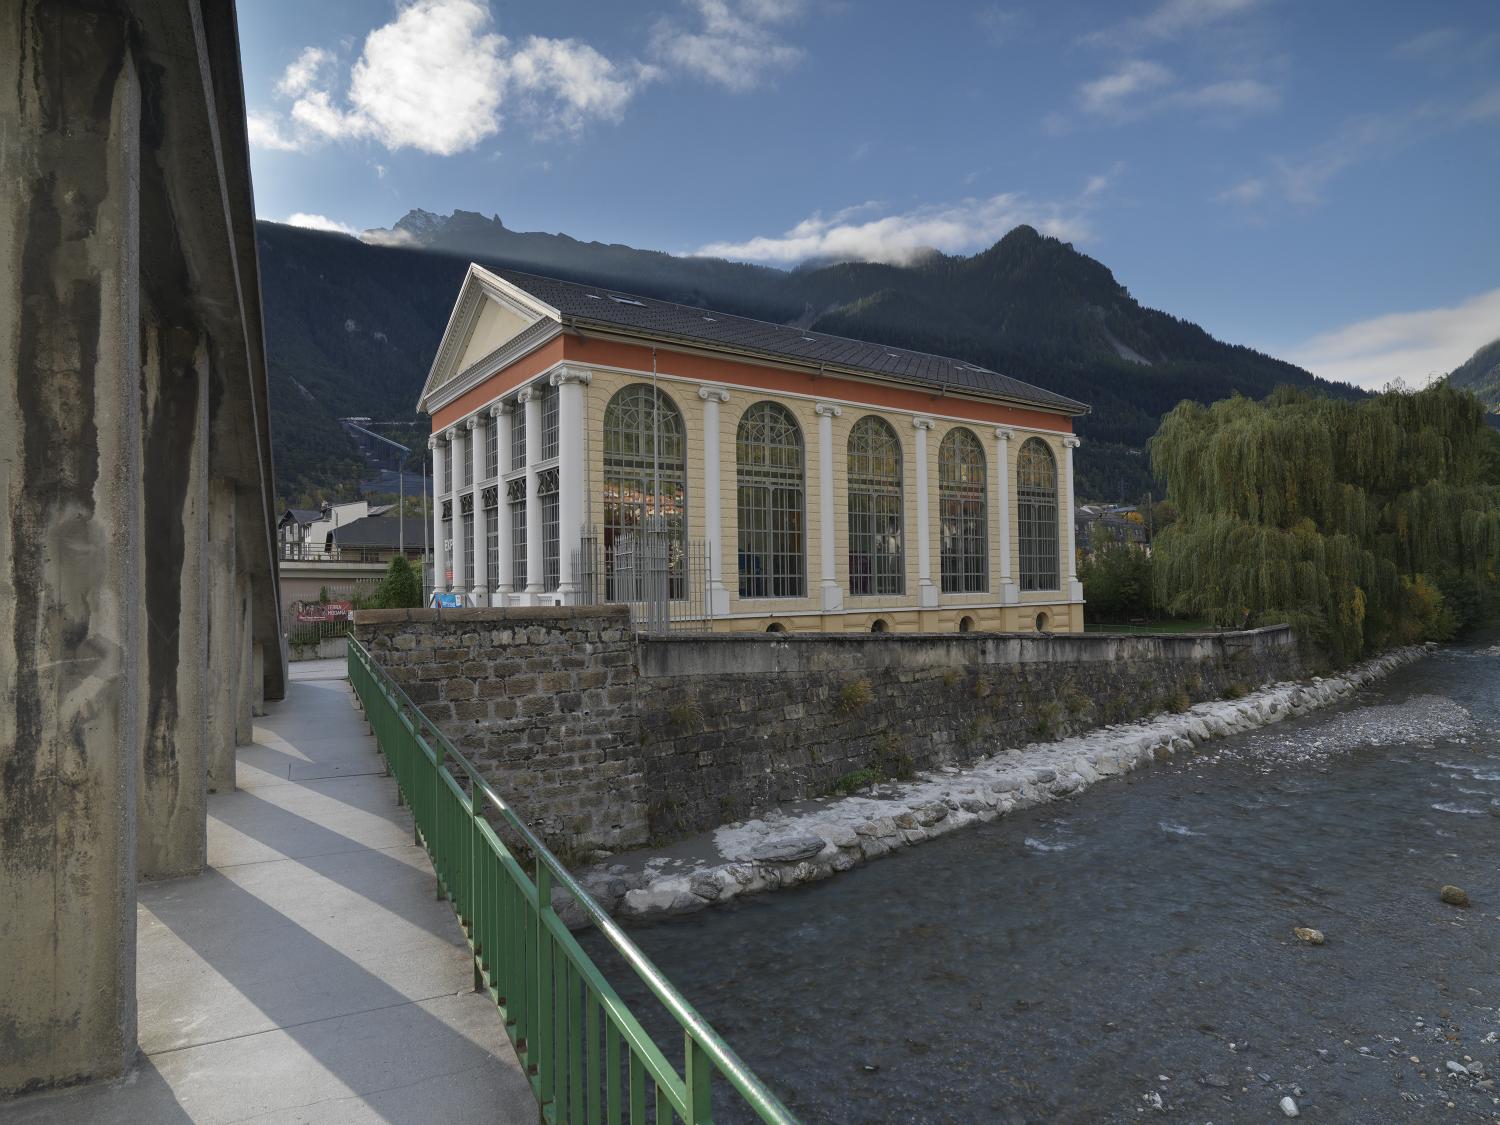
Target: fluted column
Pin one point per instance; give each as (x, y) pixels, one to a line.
(1075, 587)
(832, 594)
(531, 402)
(438, 444)
(505, 580)
(1010, 593)
(479, 584)
(572, 473)
(713, 499)
(927, 593)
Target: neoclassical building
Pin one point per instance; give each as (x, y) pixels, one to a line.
(791, 480)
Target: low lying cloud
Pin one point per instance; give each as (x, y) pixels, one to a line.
(737, 44)
(435, 79)
(1411, 346)
(900, 239)
(319, 222)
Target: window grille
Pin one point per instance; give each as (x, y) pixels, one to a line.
(517, 436)
(769, 464)
(547, 492)
(518, 535)
(492, 535)
(644, 445)
(877, 559)
(447, 577)
(1036, 515)
(492, 447)
(448, 463)
(461, 458)
(549, 423)
(469, 546)
(962, 520)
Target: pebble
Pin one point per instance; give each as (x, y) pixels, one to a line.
(1457, 1067)
(1309, 935)
(1454, 896)
(1289, 1108)
(1217, 1081)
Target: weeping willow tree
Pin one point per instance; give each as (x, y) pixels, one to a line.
(1351, 520)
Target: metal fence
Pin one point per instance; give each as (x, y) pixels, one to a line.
(587, 1056)
(663, 579)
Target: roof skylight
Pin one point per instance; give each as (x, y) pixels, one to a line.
(626, 301)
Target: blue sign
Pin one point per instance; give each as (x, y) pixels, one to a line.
(448, 601)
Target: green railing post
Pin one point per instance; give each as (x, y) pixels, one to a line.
(698, 1074)
(545, 993)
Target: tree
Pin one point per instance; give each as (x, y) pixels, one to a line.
(1346, 519)
(399, 589)
(1116, 579)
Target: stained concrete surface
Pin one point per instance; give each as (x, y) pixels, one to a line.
(310, 975)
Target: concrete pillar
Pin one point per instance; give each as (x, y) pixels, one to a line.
(71, 583)
(456, 524)
(531, 402)
(572, 473)
(478, 581)
(713, 500)
(1070, 561)
(505, 580)
(223, 635)
(257, 680)
(832, 593)
(927, 592)
(244, 692)
(172, 786)
(1010, 593)
(438, 444)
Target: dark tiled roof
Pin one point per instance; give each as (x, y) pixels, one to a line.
(379, 531)
(303, 515)
(589, 304)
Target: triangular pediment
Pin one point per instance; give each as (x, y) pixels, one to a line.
(489, 314)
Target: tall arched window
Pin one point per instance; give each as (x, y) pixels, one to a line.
(1036, 511)
(877, 560)
(768, 462)
(961, 514)
(645, 482)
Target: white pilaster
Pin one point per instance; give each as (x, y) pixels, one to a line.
(1010, 593)
(572, 473)
(479, 583)
(713, 499)
(504, 581)
(927, 592)
(832, 593)
(1070, 563)
(438, 443)
(531, 402)
(456, 563)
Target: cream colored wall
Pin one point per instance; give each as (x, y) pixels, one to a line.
(494, 326)
(805, 614)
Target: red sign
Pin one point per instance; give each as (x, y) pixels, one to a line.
(315, 612)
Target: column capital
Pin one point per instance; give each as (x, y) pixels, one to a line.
(713, 394)
(499, 410)
(471, 423)
(1071, 442)
(450, 434)
(571, 375)
(827, 410)
(922, 423)
(526, 395)
(1003, 434)
(433, 441)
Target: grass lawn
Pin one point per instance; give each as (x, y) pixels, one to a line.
(1167, 625)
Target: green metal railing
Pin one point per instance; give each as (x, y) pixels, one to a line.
(588, 1058)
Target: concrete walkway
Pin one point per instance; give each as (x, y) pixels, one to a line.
(308, 975)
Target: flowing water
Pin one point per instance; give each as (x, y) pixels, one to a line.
(1129, 955)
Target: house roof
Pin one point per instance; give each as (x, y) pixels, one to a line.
(302, 515)
(591, 305)
(379, 531)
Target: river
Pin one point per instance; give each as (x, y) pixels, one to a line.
(1129, 955)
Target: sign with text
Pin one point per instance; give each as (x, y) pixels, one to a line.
(318, 612)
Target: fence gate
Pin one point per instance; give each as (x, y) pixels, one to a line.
(663, 579)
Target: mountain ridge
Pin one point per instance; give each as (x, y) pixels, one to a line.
(352, 326)
(1480, 373)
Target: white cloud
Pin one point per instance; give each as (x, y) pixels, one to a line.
(1245, 192)
(1302, 179)
(1117, 93)
(900, 239)
(998, 24)
(435, 78)
(319, 222)
(1169, 20)
(1485, 107)
(1410, 346)
(736, 43)
(1237, 94)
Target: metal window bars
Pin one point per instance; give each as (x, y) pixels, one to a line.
(662, 577)
(1036, 516)
(586, 1054)
(877, 560)
(964, 557)
(769, 468)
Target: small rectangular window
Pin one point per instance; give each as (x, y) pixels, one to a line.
(549, 423)
(492, 448)
(517, 436)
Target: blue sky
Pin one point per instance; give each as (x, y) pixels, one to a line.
(1319, 180)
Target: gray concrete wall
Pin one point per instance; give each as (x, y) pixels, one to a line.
(603, 739)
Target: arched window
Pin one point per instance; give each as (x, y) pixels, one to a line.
(768, 461)
(877, 560)
(645, 487)
(1036, 515)
(961, 514)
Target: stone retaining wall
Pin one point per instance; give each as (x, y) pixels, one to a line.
(605, 740)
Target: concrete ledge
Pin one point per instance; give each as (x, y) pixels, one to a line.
(506, 614)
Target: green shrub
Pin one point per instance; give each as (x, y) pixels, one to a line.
(855, 696)
(891, 760)
(399, 589)
(856, 780)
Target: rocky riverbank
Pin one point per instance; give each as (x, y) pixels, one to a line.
(819, 839)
